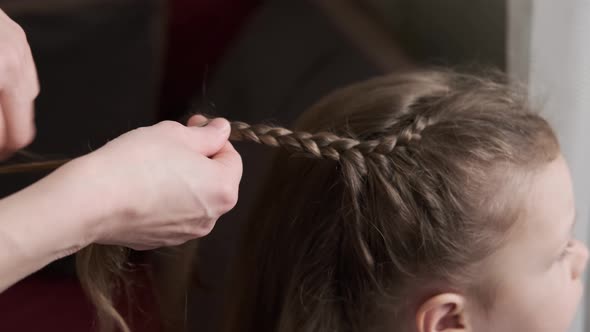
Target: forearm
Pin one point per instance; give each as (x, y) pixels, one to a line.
(40, 224)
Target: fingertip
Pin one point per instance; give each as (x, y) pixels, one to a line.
(217, 128)
(209, 139)
(21, 137)
(220, 124)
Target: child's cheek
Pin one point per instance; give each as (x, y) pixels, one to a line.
(561, 297)
(543, 302)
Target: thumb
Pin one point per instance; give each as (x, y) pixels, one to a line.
(209, 139)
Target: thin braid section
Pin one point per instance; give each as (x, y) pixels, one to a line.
(322, 145)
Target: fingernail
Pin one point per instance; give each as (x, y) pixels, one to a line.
(220, 124)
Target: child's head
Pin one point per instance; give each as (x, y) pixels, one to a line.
(440, 203)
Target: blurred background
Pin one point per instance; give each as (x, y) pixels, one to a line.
(108, 66)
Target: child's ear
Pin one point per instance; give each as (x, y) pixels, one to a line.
(443, 313)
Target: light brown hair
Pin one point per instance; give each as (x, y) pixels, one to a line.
(413, 181)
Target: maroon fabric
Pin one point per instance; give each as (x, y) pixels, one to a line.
(48, 304)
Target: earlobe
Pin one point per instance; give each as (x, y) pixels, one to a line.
(443, 313)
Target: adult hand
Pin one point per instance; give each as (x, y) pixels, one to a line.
(159, 186)
(19, 87)
(152, 187)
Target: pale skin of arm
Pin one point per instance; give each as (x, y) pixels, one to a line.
(155, 186)
(39, 225)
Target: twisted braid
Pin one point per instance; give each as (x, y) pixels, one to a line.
(351, 153)
(321, 145)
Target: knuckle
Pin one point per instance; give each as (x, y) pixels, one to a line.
(195, 229)
(199, 229)
(206, 229)
(190, 230)
(176, 243)
(168, 125)
(227, 196)
(164, 243)
(9, 63)
(21, 140)
(20, 34)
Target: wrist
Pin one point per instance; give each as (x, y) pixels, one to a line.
(91, 197)
(59, 214)
(44, 222)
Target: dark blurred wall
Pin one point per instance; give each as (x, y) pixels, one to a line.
(450, 32)
(199, 33)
